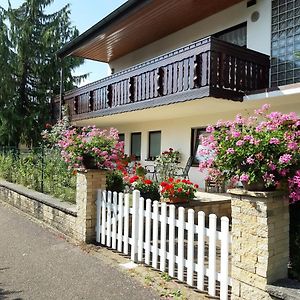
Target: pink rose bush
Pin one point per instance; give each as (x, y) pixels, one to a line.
(103, 146)
(263, 147)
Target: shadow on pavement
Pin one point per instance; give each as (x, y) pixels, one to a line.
(4, 294)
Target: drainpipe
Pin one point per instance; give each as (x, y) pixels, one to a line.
(61, 98)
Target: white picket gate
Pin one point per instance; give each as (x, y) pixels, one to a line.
(158, 235)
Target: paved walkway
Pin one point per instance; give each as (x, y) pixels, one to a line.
(37, 264)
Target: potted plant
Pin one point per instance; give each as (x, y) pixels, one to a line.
(166, 163)
(90, 148)
(260, 151)
(148, 188)
(177, 190)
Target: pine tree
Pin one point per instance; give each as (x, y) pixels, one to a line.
(8, 116)
(35, 37)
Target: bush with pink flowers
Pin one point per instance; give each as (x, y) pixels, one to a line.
(262, 148)
(101, 146)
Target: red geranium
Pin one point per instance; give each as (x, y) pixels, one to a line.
(184, 188)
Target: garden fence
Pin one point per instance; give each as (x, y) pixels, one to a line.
(40, 168)
(158, 235)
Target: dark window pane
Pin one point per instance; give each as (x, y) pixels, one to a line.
(154, 144)
(121, 137)
(136, 145)
(196, 132)
(236, 35)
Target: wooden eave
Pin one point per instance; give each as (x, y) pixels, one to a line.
(138, 23)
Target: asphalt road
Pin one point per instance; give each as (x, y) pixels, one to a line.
(36, 263)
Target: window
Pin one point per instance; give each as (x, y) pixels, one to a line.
(154, 144)
(236, 35)
(121, 137)
(135, 149)
(196, 132)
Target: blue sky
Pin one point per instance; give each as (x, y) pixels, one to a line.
(84, 14)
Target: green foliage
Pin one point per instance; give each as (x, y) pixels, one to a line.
(114, 181)
(165, 276)
(167, 163)
(43, 172)
(53, 133)
(147, 187)
(29, 41)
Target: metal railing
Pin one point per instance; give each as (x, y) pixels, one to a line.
(41, 169)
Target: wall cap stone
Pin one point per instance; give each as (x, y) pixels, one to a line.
(258, 194)
(91, 171)
(66, 207)
(286, 289)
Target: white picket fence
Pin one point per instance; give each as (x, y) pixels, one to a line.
(158, 235)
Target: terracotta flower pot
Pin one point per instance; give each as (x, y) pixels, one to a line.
(257, 186)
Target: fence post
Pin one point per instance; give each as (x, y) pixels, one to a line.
(260, 242)
(135, 225)
(212, 260)
(88, 183)
(43, 168)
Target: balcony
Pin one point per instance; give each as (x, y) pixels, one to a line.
(205, 68)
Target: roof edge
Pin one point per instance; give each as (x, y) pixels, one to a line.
(89, 34)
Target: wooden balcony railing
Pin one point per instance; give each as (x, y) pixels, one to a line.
(208, 67)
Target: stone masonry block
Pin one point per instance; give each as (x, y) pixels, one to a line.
(259, 242)
(87, 185)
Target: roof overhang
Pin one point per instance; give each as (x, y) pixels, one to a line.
(137, 23)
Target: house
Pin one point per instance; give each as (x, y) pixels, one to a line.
(177, 66)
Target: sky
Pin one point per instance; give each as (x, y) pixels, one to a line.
(84, 14)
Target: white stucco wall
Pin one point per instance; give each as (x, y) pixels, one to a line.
(175, 133)
(176, 121)
(258, 33)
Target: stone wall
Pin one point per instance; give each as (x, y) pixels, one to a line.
(59, 215)
(260, 242)
(221, 208)
(75, 220)
(86, 194)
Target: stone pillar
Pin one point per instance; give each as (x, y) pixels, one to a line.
(88, 183)
(260, 242)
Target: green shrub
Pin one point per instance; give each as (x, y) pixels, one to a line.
(40, 170)
(114, 181)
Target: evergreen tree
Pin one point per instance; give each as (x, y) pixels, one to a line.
(8, 117)
(35, 36)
